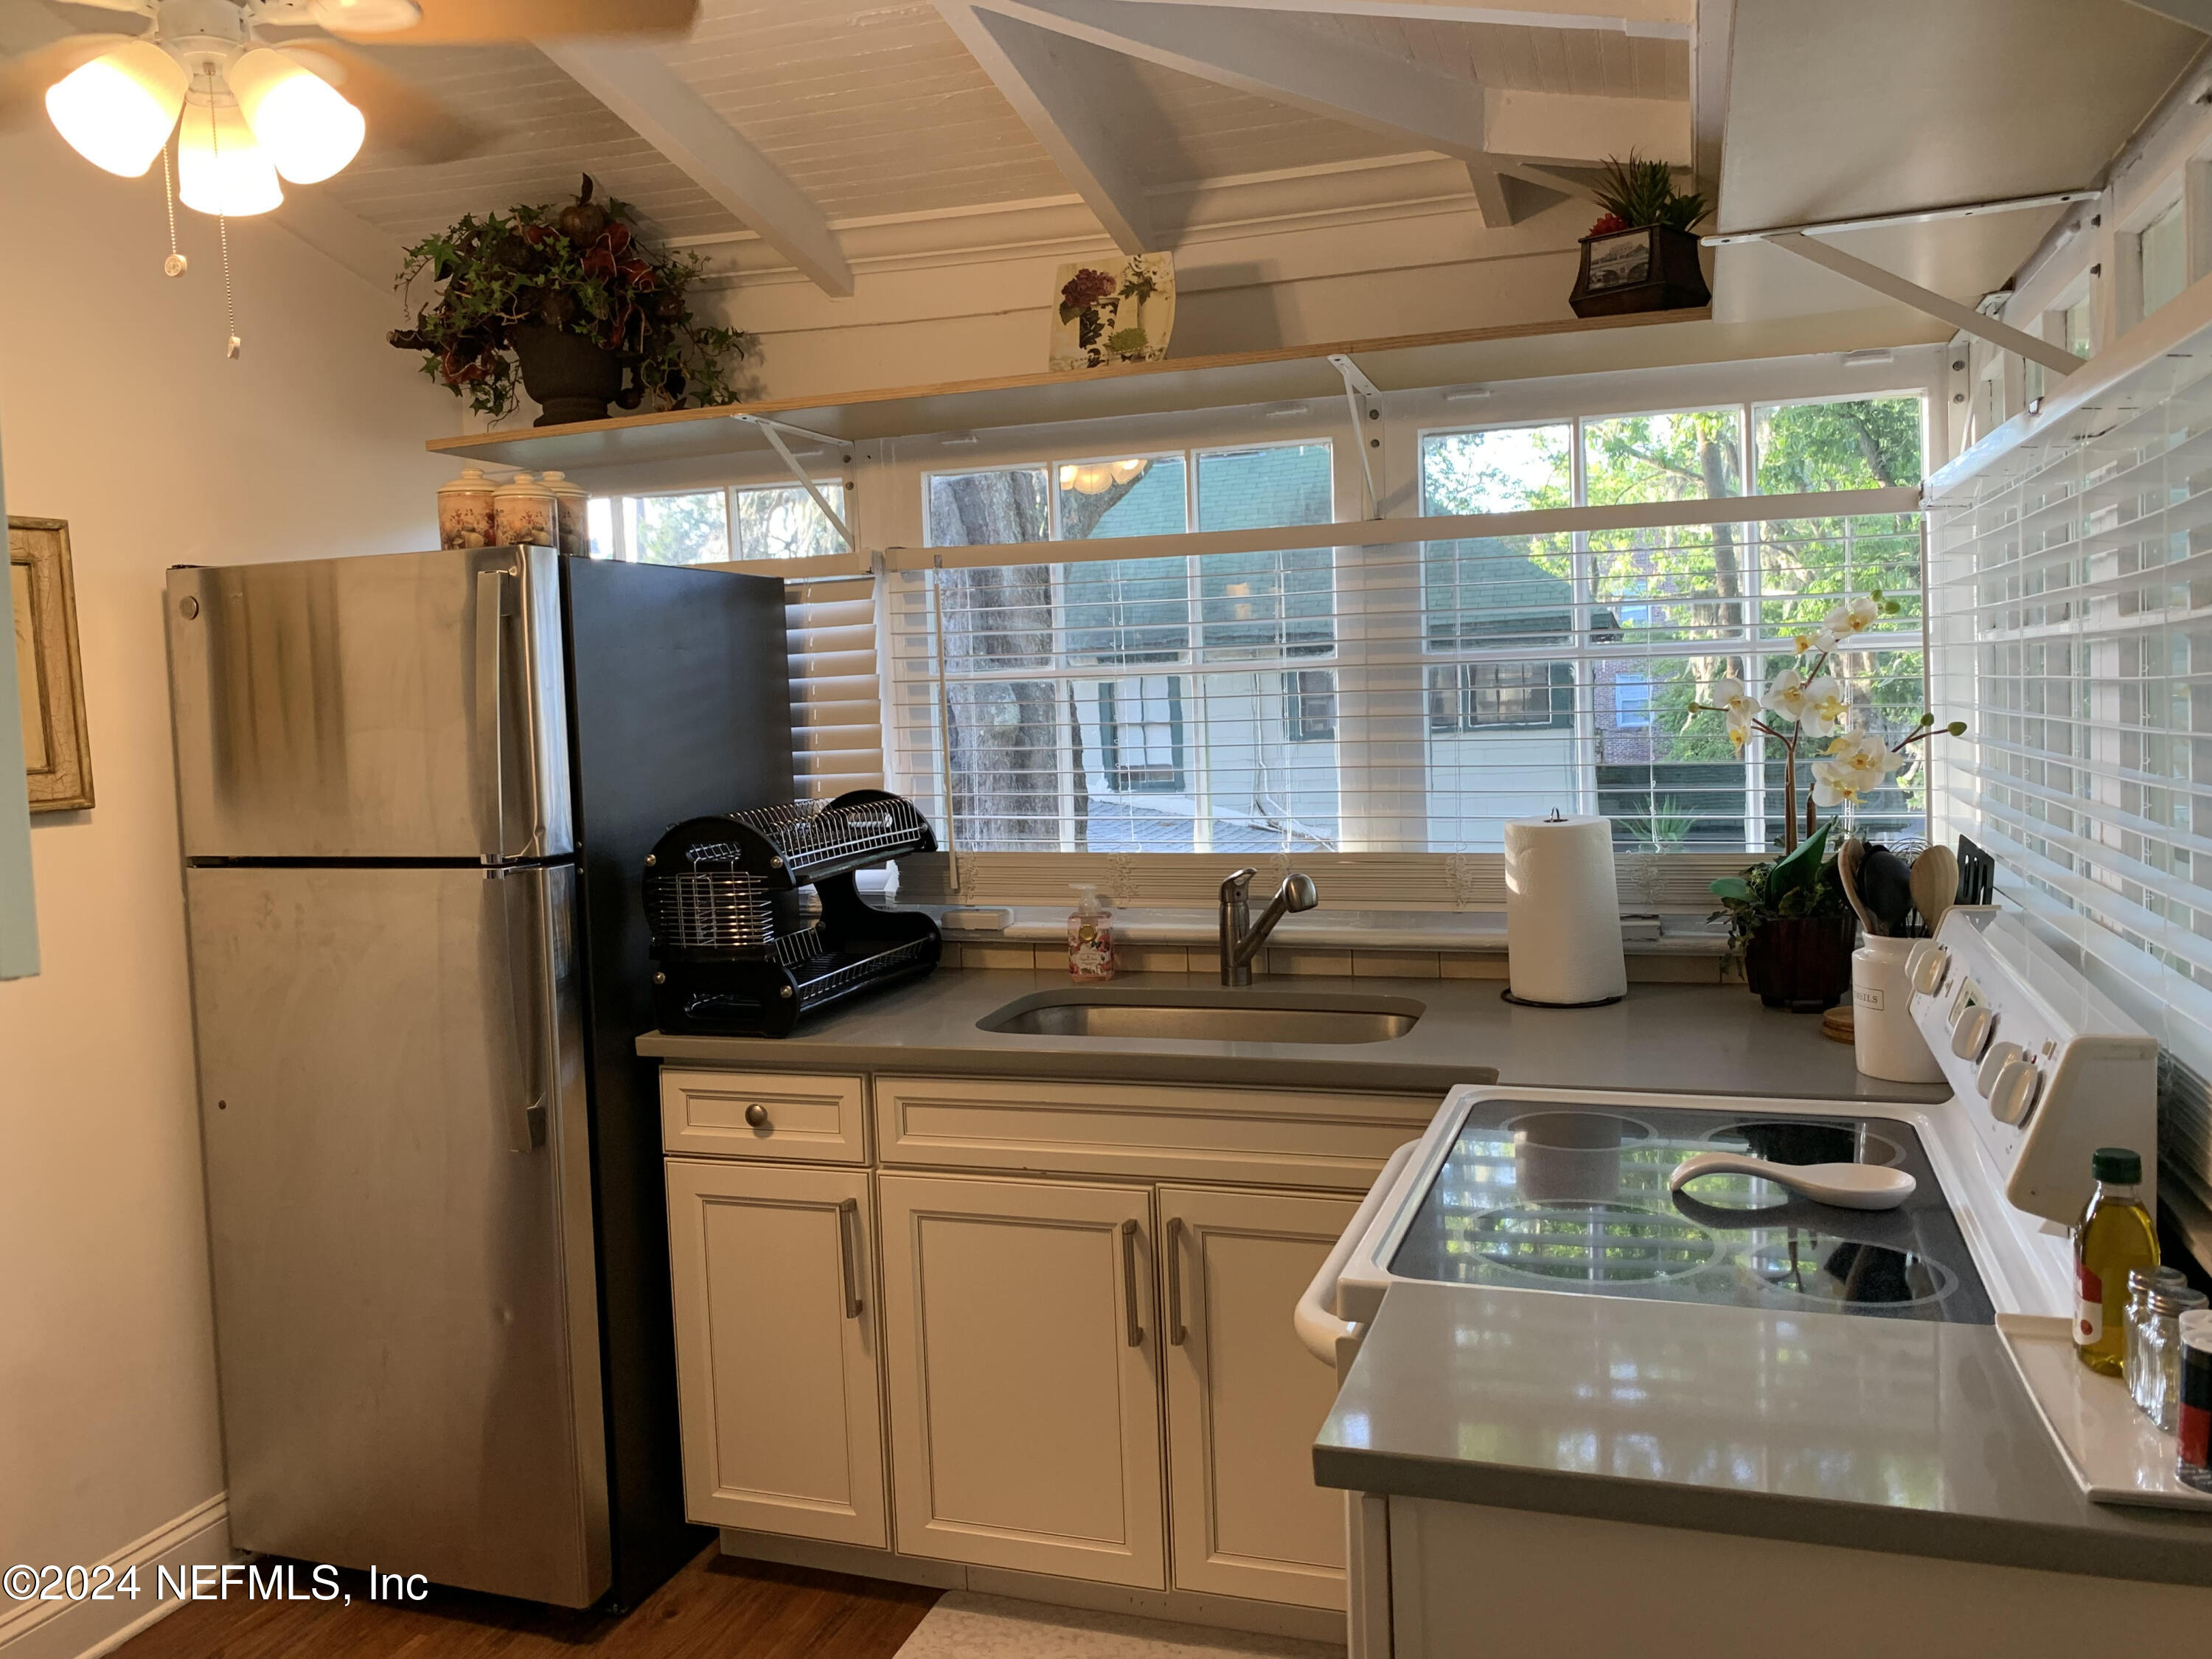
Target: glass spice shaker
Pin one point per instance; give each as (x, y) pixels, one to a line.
(2142, 1281)
(2160, 1394)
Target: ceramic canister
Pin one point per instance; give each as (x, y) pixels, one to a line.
(464, 512)
(1887, 1043)
(524, 513)
(573, 534)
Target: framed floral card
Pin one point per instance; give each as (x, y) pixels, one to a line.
(1117, 311)
(56, 750)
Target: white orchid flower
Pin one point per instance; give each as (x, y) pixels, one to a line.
(1738, 735)
(1787, 695)
(1834, 784)
(1862, 758)
(1852, 617)
(1831, 705)
(1727, 694)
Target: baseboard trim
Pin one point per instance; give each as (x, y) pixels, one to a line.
(86, 1629)
(1184, 1607)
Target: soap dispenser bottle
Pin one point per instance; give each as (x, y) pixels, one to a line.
(1089, 937)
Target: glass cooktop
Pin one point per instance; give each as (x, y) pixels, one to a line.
(1543, 1196)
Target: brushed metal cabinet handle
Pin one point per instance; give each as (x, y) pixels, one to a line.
(756, 1114)
(849, 1223)
(1129, 1281)
(1175, 1331)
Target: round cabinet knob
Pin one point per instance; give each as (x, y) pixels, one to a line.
(756, 1114)
(2012, 1097)
(1926, 971)
(2000, 1055)
(1972, 1032)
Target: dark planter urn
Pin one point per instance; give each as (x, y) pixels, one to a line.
(1653, 268)
(1800, 964)
(571, 378)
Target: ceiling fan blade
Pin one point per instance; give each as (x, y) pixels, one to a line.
(452, 20)
(401, 117)
(24, 79)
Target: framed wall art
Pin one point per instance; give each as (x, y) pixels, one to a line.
(50, 680)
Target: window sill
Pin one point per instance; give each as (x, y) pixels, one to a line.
(1330, 931)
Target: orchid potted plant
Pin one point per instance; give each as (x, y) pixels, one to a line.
(1788, 917)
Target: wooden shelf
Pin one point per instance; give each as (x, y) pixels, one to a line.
(1395, 363)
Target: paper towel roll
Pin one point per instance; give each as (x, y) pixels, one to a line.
(1563, 911)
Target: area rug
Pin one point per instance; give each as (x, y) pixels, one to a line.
(965, 1626)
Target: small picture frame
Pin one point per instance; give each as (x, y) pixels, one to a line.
(56, 748)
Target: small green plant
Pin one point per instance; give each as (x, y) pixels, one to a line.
(581, 269)
(1638, 192)
(1665, 831)
(1801, 883)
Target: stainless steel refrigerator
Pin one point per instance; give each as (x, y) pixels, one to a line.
(417, 793)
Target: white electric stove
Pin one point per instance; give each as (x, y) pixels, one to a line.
(1566, 1191)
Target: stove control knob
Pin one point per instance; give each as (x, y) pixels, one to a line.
(1972, 1032)
(1925, 972)
(2001, 1054)
(2012, 1096)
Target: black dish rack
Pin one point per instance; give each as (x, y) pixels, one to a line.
(739, 953)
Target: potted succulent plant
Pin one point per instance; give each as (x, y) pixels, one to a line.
(1640, 255)
(1788, 917)
(572, 303)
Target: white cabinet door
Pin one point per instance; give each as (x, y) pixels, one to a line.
(775, 1350)
(1026, 1426)
(1245, 1400)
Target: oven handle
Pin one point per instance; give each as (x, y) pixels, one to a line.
(1319, 1328)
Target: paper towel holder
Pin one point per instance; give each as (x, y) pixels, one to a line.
(1555, 815)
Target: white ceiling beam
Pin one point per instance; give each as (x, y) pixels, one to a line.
(1053, 99)
(1506, 197)
(338, 234)
(1563, 129)
(1281, 59)
(2004, 336)
(635, 82)
(1663, 20)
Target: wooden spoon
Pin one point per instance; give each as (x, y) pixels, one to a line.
(1847, 869)
(1934, 883)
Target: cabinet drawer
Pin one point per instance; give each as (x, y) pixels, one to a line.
(1278, 1137)
(792, 1115)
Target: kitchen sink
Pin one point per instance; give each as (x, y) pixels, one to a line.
(1229, 1015)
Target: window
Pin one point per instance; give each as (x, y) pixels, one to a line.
(1055, 742)
(2163, 258)
(1309, 705)
(2079, 326)
(1102, 691)
(710, 526)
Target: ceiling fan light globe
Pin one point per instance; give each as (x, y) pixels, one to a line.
(220, 167)
(307, 131)
(366, 16)
(117, 110)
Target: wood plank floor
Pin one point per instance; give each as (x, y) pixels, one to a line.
(718, 1607)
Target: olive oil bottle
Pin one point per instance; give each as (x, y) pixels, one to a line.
(2114, 1235)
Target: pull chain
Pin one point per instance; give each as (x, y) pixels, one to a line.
(176, 265)
(222, 235)
(230, 301)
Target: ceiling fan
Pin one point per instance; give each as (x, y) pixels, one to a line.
(248, 109)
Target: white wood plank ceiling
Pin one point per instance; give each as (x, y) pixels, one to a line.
(867, 109)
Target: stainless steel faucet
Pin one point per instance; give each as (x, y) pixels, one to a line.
(1241, 937)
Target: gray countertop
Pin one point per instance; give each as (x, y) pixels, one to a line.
(1864, 1432)
(1699, 1038)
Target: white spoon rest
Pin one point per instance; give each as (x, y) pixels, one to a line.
(1848, 1186)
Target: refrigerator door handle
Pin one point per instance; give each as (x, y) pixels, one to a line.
(494, 599)
(526, 1110)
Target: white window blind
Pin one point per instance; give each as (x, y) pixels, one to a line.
(836, 712)
(1205, 662)
(2072, 617)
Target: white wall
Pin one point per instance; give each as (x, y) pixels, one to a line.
(119, 413)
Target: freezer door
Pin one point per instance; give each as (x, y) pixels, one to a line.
(392, 1108)
(405, 705)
